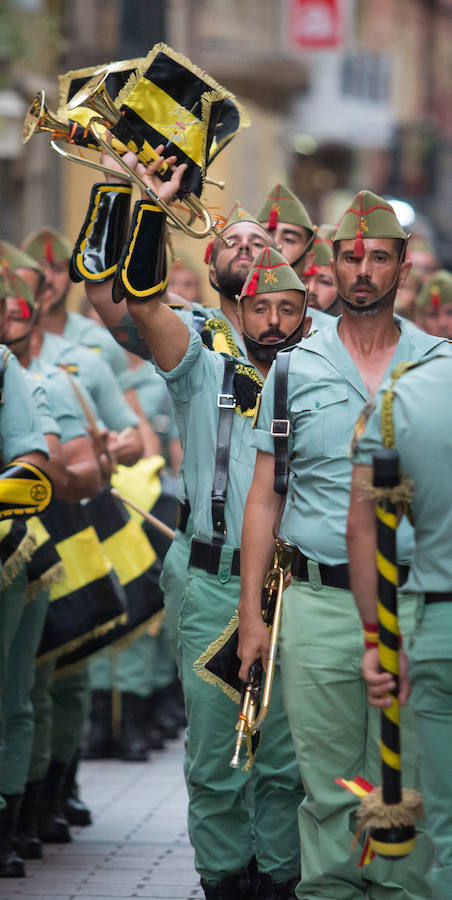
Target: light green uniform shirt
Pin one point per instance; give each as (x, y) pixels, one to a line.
(319, 318)
(95, 376)
(154, 399)
(325, 397)
(60, 403)
(422, 416)
(80, 330)
(194, 386)
(20, 428)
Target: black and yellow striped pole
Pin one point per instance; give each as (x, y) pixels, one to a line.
(393, 835)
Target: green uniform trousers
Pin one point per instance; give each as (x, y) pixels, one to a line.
(431, 680)
(12, 604)
(41, 699)
(172, 582)
(335, 735)
(224, 830)
(70, 701)
(18, 707)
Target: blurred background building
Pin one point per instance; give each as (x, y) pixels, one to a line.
(342, 94)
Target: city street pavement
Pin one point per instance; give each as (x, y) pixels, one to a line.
(137, 847)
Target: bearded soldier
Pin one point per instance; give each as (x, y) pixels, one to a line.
(330, 376)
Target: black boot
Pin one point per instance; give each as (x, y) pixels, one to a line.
(163, 718)
(73, 807)
(99, 740)
(133, 745)
(154, 734)
(234, 887)
(26, 839)
(272, 890)
(175, 703)
(11, 865)
(53, 825)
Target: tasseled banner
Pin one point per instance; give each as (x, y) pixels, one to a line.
(358, 249)
(49, 252)
(208, 252)
(272, 219)
(251, 289)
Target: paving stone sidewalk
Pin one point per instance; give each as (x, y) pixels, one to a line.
(137, 847)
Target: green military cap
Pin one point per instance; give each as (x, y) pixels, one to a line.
(49, 244)
(282, 205)
(17, 259)
(368, 216)
(271, 272)
(19, 289)
(437, 290)
(323, 252)
(237, 215)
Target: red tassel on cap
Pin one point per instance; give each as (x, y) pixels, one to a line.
(436, 300)
(272, 219)
(24, 308)
(358, 249)
(311, 271)
(208, 252)
(49, 252)
(251, 289)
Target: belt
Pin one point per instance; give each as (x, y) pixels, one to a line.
(207, 556)
(332, 576)
(183, 512)
(443, 597)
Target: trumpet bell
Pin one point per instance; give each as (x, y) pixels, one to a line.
(94, 95)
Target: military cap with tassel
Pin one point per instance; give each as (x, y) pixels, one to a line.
(436, 292)
(282, 205)
(15, 259)
(48, 244)
(368, 216)
(271, 272)
(18, 289)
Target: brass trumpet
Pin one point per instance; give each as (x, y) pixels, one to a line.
(94, 95)
(256, 702)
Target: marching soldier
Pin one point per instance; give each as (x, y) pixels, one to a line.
(330, 377)
(273, 314)
(434, 304)
(319, 279)
(75, 474)
(289, 223)
(420, 425)
(22, 439)
(52, 251)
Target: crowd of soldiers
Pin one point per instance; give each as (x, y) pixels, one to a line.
(244, 409)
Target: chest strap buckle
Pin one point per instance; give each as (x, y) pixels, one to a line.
(280, 428)
(226, 401)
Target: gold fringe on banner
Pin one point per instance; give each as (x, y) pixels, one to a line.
(206, 656)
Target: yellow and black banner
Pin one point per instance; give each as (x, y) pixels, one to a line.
(170, 101)
(89, 601)
(137, 566)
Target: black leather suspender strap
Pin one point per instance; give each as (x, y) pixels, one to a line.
(280, 425)
(226, 404)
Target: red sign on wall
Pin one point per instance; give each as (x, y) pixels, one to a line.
(313, 24)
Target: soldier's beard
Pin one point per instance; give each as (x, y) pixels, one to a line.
(230, 283)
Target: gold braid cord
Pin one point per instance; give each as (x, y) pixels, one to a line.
(219, 326)
(404, 491)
